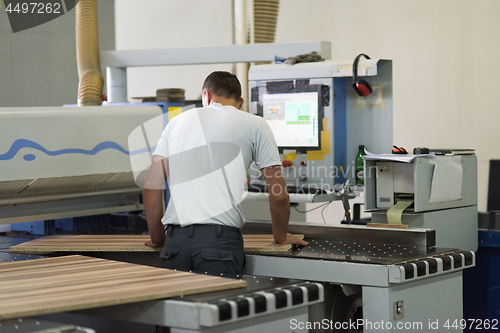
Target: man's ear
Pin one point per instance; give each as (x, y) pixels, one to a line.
(241, 104)
(206, 98)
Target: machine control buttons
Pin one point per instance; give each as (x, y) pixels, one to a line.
(287, 163)
(303, 171)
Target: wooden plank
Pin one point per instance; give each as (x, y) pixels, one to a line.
(265, 244)
(129, 243)
(69, 283)
(86, 243)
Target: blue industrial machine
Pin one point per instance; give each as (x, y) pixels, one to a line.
(66, 162)
(71, 162)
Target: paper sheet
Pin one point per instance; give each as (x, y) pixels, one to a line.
(394, 157)
(446, 179)
(394, 213)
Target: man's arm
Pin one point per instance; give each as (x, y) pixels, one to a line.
(280, 205)
(153, 199)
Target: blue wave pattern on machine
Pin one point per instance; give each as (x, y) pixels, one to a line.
(24, 143)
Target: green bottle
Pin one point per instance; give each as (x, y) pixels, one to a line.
(360, 172)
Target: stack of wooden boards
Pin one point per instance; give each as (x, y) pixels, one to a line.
(130, 243)
(51, 285)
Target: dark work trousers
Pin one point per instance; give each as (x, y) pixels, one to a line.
(204, 248)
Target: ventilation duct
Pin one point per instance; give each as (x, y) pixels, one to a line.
(261, 16)
(87, 54)
(265, 13)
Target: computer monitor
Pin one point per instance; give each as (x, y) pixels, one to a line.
(294, 119)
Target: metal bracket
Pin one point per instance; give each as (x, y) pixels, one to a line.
(398, 310)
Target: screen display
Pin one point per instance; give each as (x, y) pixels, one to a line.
(293, 118)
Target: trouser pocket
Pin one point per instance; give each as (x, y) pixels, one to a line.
(217, 254)
(217, 261)
(169, 255)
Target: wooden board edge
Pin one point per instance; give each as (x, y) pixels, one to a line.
(386, 225)
(126, 300)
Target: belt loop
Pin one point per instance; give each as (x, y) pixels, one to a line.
(219, 231)
(170, 229)
(191, 230)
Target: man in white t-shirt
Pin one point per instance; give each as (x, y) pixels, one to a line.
(204, 154)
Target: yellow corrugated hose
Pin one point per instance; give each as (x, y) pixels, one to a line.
(87, 54)
(265, 17)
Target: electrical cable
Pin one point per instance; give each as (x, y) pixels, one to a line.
(324, 210)
(310, 210)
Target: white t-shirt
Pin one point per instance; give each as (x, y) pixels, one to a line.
(209, 151)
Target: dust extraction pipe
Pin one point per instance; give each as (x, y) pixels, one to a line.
(262, 15)
(265, 13)
(87, 54)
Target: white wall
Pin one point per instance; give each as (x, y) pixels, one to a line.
(160, 24)
(444, 59)
(444, 68)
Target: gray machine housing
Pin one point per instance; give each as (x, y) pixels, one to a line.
(455, 221)
(351, 120)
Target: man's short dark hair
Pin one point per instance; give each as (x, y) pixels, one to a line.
(223, 84)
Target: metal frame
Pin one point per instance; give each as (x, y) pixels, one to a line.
(413, 237)
(81, 206)
(383, 286)
(212, 55)
(116, 62)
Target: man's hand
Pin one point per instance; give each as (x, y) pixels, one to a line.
(291, 239)
(150, 243)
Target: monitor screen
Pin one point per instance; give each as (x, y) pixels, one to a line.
(293, 118)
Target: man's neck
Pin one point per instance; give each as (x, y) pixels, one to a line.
(225, 102)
